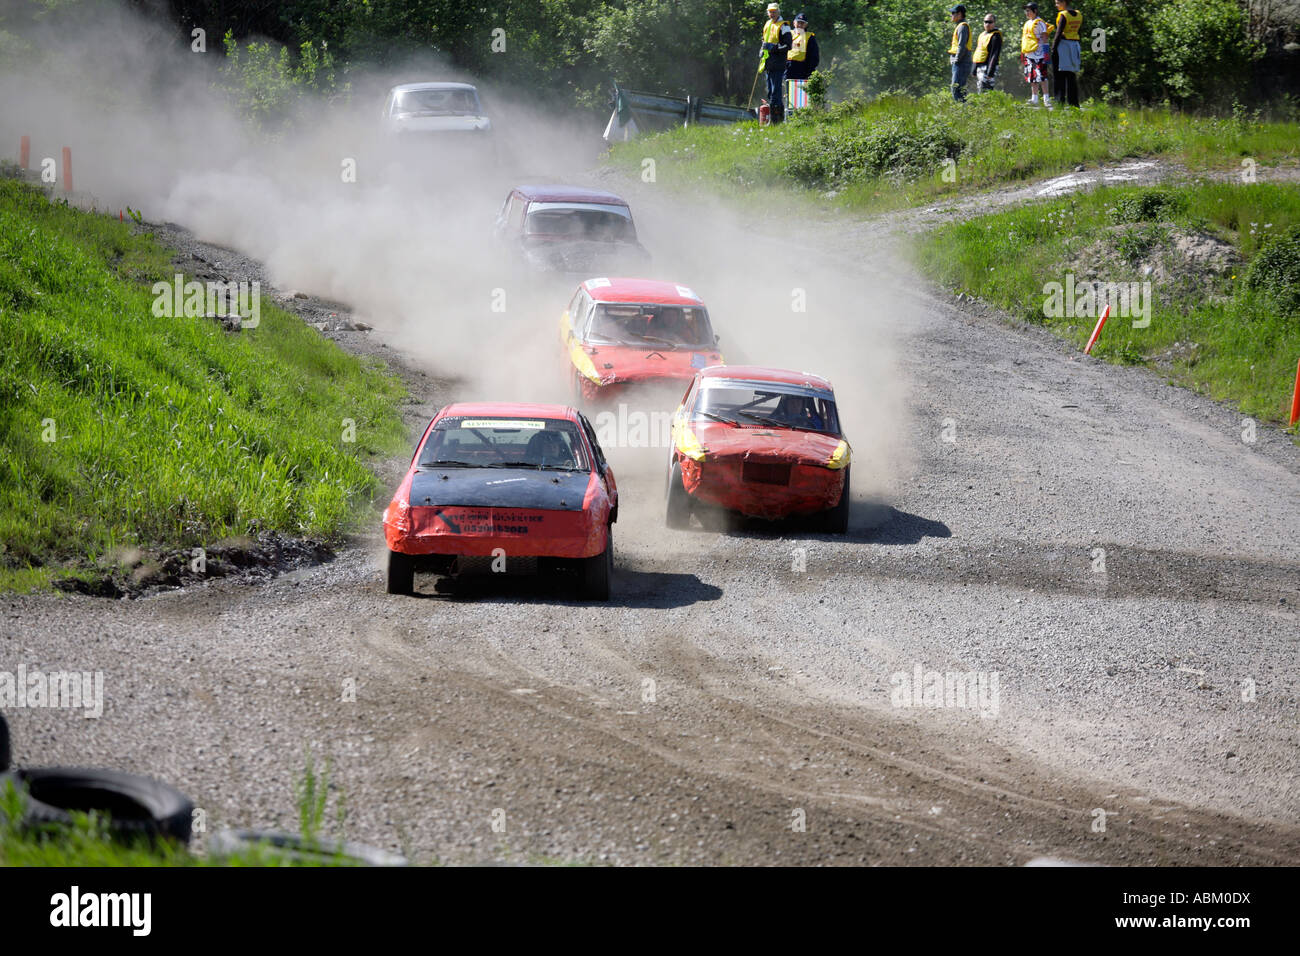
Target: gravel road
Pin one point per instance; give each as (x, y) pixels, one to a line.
(1105, 546)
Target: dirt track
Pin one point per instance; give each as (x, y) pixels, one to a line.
(1120, 691)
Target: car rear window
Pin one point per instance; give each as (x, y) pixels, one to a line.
(585, 221)
(498, 442)
(439, 102)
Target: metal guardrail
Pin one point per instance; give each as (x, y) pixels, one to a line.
(658, 111)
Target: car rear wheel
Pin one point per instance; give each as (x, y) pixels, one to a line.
(678, 514)
(836, 520)
(596, 571)
(401, 573)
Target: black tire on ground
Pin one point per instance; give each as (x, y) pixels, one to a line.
(226, 843)
(836, 520)
(596, 572)
(678, 512)
(401, 573)
(135, 805)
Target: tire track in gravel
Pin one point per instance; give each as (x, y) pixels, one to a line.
(776, 760)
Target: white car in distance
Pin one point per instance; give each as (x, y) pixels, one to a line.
(441, 107)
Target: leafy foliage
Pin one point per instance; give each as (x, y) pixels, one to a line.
(1148, 205)
(1203, 48)
(267, 84)
(902, 147)
(1275, 271)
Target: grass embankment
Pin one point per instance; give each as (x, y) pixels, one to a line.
(123, 430)
(1224, 274)
(893, 152)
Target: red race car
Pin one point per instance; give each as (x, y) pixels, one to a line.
(762, 442)
(621, 332)
(506, 482)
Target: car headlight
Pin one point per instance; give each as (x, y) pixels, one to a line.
(583, 363)
(688, 444)
(840, 457)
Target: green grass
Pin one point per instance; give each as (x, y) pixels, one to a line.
(120, 429)
(1208, 330)
(90, 842)
(890, 153)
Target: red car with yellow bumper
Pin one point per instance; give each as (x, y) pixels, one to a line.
(760, 442)
(619, 333)
(504, 481)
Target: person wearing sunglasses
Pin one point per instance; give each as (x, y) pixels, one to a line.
(988, 51)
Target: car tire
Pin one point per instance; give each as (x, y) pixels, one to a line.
(226, 843)
(596, 571)
(135, 804)
(836, 520)
(401, 573)
(678, 512)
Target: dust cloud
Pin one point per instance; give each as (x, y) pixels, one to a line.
(408, 245)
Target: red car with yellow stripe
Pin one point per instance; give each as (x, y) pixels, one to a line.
(761, 442)
(504, 482)
(618, 333)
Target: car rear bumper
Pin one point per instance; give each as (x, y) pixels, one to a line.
(486, 532)
(644, 385)
(763, 488)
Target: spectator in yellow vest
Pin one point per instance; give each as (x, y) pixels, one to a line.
(988, 51)
(1067, 56)
(803, 59)
(959, 53)
(1035, 50)
(772, 60)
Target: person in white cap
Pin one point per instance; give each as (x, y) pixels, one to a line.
(803, 58)
(772, 60)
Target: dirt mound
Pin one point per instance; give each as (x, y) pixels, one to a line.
(1179, 264)
(131, 572)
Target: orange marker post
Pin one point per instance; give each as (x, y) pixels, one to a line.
(1295, 398)
(1097, 331)
(67, 169)
(25, 152)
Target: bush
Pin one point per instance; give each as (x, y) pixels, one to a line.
(1151, 205)
(897, 148)
(1275, 270)
(1203, 47)
(267, 85)
(818, 87)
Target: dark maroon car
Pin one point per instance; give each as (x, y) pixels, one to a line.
(572, 230)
